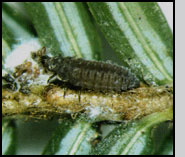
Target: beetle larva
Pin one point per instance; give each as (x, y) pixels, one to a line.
(87, 74)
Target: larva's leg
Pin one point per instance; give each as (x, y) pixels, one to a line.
(79, 96)
(52, 78)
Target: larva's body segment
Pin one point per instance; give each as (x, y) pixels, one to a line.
(92, 75)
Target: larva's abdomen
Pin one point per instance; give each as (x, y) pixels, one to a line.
(96, 75)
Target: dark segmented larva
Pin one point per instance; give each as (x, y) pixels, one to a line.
(92, 75)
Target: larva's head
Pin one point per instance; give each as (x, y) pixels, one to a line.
(38, 55)
(49, 63)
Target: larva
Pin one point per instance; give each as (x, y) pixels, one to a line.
(93, 75)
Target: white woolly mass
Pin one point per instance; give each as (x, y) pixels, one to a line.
(21, 53)
(41, 80)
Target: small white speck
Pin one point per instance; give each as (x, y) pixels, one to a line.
(94, 111)
(35, 103)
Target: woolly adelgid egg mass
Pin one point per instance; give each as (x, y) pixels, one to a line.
(22, 70)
